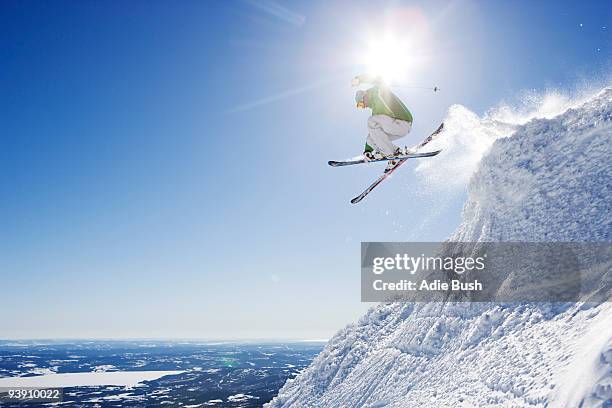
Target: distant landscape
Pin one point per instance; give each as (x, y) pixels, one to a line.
(203, 374)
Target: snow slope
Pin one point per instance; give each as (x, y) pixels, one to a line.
(548, 179)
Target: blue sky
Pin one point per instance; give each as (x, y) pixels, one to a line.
(163, 164)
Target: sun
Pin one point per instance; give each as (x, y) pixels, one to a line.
(387, 57)
(395, 45)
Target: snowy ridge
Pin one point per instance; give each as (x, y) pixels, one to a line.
(547, 181)
(468, 136)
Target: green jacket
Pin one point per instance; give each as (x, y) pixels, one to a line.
(384, 102)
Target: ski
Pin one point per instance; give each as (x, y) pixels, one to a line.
(361, 160)
(430, 137)
(377, 182)
(402, 161)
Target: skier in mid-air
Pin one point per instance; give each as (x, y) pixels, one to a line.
(390, 120)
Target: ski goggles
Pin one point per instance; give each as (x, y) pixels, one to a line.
(361, 105)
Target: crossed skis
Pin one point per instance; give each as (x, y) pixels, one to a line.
(401, 160)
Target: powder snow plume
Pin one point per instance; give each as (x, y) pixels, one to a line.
(468, 137)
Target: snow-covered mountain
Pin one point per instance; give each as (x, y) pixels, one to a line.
(549, 180)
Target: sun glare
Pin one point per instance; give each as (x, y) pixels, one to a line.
(396, 45)
(387, 57)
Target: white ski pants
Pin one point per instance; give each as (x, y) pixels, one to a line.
(383, 130)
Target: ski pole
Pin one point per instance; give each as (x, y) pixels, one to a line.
(434, 88)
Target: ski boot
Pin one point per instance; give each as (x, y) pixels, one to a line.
(372, 155)
(400, 151)
(391, 165)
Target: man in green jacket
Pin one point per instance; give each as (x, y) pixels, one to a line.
(390, 119)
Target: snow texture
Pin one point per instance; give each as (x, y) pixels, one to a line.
(547, 179)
